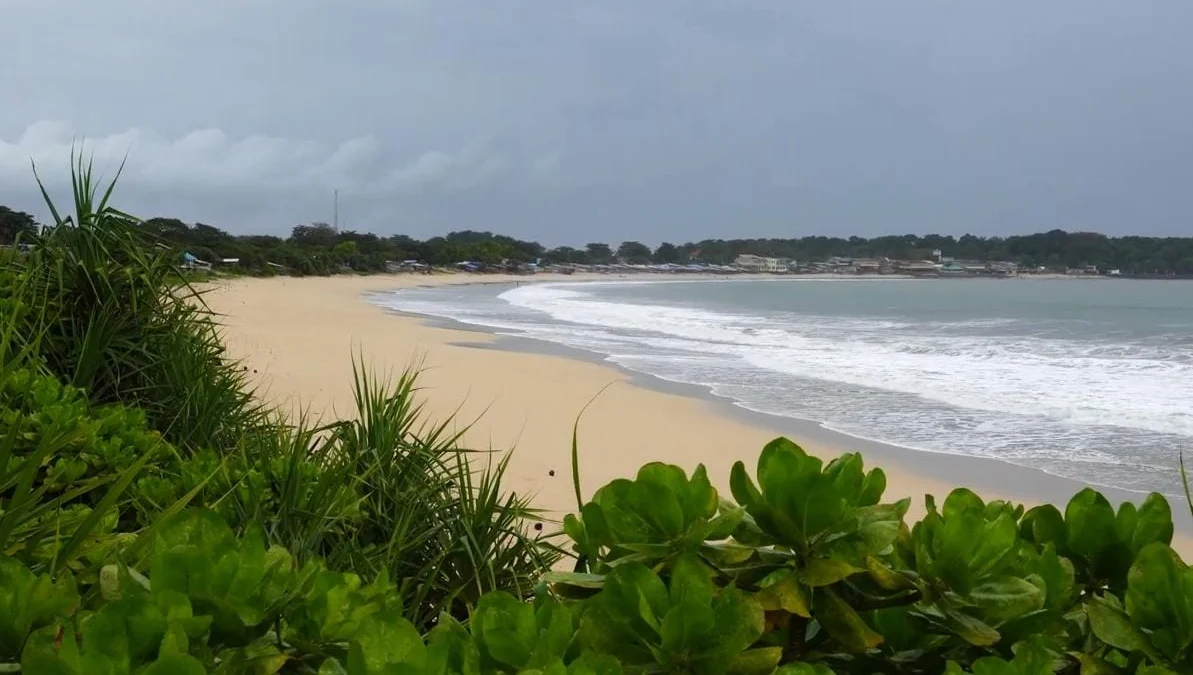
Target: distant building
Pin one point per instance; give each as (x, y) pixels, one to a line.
(757, 263)
(394, 267)
(916, 267)
(867, 266)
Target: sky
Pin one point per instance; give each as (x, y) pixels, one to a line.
(567, 122)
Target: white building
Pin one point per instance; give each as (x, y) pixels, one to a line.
(757, 263)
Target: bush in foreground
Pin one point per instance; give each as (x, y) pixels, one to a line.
(807, 571)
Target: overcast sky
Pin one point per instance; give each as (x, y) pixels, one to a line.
(569, 121)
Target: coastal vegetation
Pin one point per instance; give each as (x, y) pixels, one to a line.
(157, 518)
(319, 249)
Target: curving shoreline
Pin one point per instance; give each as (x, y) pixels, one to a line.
(299, 336)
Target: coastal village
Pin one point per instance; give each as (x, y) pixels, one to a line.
(939, 266)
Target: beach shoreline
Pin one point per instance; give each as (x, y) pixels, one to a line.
(298, 336)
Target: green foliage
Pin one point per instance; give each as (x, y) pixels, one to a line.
(1032, 657)
(107, 311)
(676, 581)
(842, 581)
(65, 470)
(1155, 619)
(1100, 542)
(319, 249)
(428, 516)
(685, 625)
(15, 225)
(238, 582)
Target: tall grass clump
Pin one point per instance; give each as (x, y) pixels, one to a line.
(111, 313)
(388, 492)
(433, 513)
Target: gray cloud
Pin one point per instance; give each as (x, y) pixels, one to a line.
(572, 121)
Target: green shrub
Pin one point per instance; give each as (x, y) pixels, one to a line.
(839, 578)
(108, 311)
(65, 471)
(209, 601)
(409, 506)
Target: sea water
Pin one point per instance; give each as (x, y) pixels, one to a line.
(1091, 379)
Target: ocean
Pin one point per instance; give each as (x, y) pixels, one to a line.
(1090, 380)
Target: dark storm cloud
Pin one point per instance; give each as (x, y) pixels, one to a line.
(568, 121)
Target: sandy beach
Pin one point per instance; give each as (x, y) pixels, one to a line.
(298, 337)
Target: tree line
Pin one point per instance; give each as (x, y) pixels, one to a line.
(319, 248)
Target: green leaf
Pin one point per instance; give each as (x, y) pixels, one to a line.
(593, 663)
(1092, 665)
(687, 628)
(722, 526)
(451, 649)
(786, 594)
(1033, 656)
(738, 623)
(879, 525)
(825, 571)
(556, 631)
(1112, 626)
(996, 542)
(843, 623)
(633, 592)
(618, 508)
(742, 487)
(695, 499)
(383, 641)
(1153, 524)
(1159, 598)
(1004, 598)
(1091, 523)
(1058, 576)
(872, 488)
(974, 631)
(886, 578)
(505, 628)
(580, 579)
(1045, 525)
(638, 512)
(960, 502)
(760, 661)
(691, 582)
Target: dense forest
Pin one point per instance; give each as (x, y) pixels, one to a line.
(319, 248)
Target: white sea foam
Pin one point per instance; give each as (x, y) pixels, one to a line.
(1102, 411)
(1071, 381)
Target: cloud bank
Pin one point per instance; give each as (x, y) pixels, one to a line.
(662, 120)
